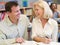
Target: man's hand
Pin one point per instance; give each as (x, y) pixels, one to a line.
(19, 40)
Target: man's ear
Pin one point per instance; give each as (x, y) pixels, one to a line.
(8, 13)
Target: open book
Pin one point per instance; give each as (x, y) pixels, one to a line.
(40, 43)
(36, 43)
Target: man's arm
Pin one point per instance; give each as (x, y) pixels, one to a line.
(4, 41)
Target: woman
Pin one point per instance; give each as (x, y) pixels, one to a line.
(56, 13)
(44, 28)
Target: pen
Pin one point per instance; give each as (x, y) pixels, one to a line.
(46, 36)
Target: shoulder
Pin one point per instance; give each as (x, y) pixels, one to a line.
(2, 25)
(35, 21)
(58, 11)
(53, 22)
(2, 22)
(23, 16)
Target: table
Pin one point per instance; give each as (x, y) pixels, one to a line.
(35, 43)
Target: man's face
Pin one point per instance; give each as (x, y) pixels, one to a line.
(15, 12)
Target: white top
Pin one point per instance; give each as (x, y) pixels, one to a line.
(8, 30)
(50, 29)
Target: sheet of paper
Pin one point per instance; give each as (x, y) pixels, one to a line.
(36, 43)
(51, 43)
(29, 43)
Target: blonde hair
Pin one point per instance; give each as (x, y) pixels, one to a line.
(47, 11)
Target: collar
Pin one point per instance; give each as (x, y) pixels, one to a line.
(49, 21)
(8, 22)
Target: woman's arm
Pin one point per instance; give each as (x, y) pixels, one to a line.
(42, 39)
(55, 32)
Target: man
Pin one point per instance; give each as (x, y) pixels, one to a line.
(14, 26)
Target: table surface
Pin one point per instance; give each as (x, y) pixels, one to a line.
(35, 43)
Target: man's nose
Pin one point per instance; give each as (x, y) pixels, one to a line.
(19, 12)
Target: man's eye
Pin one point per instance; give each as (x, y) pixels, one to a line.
(16, 11)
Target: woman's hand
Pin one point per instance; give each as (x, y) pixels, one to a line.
(46, 40)
(42, 39)
(19, 40)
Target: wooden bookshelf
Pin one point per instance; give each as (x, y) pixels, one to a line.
(27, 11)
(2, 10)
(58, 6)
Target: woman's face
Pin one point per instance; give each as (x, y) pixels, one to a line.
(39, 12)
(53, 6)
